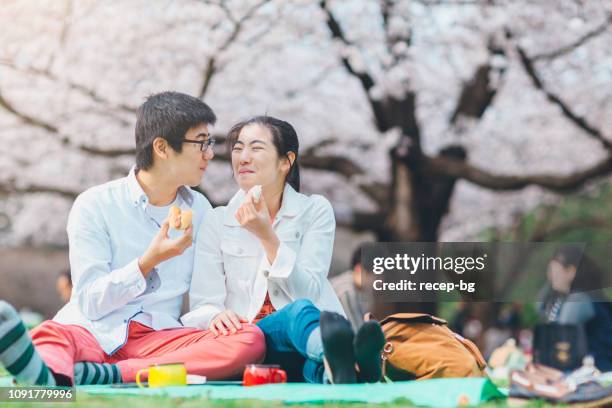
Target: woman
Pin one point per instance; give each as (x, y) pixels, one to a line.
(566, 300)
(265, 259)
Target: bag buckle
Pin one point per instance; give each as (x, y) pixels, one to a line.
(388, 349)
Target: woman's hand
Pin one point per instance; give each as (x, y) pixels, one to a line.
(255, 217)
(226, 322)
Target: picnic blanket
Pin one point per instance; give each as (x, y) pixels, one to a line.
(6, 381)
(447, 392)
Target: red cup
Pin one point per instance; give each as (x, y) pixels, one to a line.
(258, 374)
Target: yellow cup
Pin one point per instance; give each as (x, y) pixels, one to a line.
(164, 375)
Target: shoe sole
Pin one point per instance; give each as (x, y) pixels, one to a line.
(369, 343)
(338, 350)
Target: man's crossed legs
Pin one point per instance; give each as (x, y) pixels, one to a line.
(60, 346)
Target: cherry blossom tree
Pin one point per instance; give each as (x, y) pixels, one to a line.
(480, 55)
(420, 120)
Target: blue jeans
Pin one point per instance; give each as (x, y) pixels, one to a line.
(287, 331)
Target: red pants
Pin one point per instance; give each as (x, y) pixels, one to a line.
(62, 345)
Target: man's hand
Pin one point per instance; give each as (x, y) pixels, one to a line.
(226, 322)
(163, 248)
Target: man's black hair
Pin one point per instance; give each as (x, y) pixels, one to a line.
(168, 115)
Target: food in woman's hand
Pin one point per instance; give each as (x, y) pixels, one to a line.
(256, 193)
(186, 219)
(178, 219)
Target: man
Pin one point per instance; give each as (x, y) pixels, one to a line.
(348, 286)
(130, 269)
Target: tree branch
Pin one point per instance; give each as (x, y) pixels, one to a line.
(385, 12)
(577, 43)
(211, 69)
(335, 164)
(377, 192)
(211, 65)
(219, 138)
(315, 81)
(454, 3)
(11, 189)
(392, 39)
(83, 90)
(110, 153)
(336, 30)
(454, 168)
(361, 222)
(25, 118)
(312, 150)
(389, 112)
(579, 121)
(478, 93)
(96, 151)
(30, 120)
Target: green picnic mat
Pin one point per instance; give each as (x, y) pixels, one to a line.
(6, 381)
(447, 392)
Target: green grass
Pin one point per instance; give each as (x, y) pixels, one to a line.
(84, 400)
(161, 402)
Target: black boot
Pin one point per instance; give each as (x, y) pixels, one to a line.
(338, 336)
(369, 343)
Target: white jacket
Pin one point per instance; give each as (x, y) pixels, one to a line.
(231, 270)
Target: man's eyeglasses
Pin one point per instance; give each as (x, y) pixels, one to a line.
(204, 144)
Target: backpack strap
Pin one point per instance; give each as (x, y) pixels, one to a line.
(384, 356)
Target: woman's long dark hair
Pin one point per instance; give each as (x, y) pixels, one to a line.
(589, 278)
(588, 275)
(284, 138)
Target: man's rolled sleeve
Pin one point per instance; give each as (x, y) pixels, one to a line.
(133, 279)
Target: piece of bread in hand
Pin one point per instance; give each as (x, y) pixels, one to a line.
(186, 216)
(174, 217)
(256, 193)
(180, 220)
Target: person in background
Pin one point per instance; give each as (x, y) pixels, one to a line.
(349, 288)
(461, 318)
(64, 285)
(565, 299)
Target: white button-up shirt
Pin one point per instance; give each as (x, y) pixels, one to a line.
(232, 270)
(109, 228)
